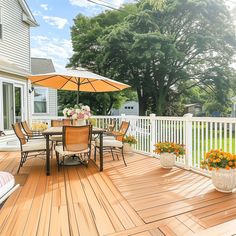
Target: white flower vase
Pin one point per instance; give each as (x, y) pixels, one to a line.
(167, 160)
(224, 180)
(127, 148)
(81, 122)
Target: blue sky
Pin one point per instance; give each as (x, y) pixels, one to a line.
(52, 38)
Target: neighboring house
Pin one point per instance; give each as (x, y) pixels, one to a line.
(44, 101)
(15, 22)
(129, 108)
(195, 109)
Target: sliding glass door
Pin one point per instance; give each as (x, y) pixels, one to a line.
(12, 101)
(8, 105)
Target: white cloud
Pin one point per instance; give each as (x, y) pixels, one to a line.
(56, 21)
(37, 13)
(44, 6)
(59, 50)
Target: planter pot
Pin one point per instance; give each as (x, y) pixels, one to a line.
(224, 180)
(127, 148)
(167, 160)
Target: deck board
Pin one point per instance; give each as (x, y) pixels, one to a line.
(140, 199)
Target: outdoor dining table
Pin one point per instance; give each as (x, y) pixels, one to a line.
(58, 131)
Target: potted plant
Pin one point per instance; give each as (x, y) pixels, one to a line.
(168, 152)
(128, 141)
(222, 167)
(80, 113)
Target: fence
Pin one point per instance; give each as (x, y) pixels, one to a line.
(198, 134)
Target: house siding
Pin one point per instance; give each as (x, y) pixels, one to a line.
(15, 43)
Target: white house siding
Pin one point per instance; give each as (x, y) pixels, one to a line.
(15, 44)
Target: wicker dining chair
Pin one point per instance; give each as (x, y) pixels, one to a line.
(56, 139)
(118, 135)
(76, 143)
(30, 133)
(111, 127)
(114, 143)
(56, 123)
(34, 146)
(66, 122)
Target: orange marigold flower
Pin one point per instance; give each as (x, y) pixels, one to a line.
(230, 163)
(227, 167)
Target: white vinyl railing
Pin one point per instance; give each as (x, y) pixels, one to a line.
(198, 134)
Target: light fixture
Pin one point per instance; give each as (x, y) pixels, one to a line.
(31, 90)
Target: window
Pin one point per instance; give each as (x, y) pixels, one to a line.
(1, 23)
(40, 100)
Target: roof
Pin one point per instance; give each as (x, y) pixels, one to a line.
(41, 66)
(27, 15)
(9, 67)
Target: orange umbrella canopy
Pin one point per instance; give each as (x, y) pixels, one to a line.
(78, 80)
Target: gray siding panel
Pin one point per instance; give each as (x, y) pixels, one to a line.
(15, 44)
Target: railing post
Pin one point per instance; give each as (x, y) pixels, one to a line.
(123, 117)
(188, 140)
(152, 132)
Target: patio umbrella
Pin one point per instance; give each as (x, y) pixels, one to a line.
(78, 80)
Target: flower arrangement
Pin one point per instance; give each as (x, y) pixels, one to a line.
(80, 112)
(130, 139)
(216, 159)
(39, 126)
(169, 147)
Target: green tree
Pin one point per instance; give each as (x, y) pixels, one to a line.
(162, 51)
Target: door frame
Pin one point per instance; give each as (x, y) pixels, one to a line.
(24, 101)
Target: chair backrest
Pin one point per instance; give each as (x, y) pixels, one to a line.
(66, 122)
(19, 134)
(123, 130)
(56, 123)
(77, 138)
(26, 128)
(112, 125)
(74, 122)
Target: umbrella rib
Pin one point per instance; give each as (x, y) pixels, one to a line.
(68, 80)
(92, 85)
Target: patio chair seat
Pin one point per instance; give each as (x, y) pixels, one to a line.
(34, 145)
(110, 143)
(56, 138)
(62, 152)
(7, 182)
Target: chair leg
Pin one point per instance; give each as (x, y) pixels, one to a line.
(22, 160)
(58, 164)
(95, 153)
(122, 152)
(112, 154)
(52, 147)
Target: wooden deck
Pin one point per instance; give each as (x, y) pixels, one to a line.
(140, 199)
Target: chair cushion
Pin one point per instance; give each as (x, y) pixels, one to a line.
(110, 143)
(7, 182)
(60, 150)
(56, 138)
(34, 145)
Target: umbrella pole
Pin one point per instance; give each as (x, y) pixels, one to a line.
(78, 91)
